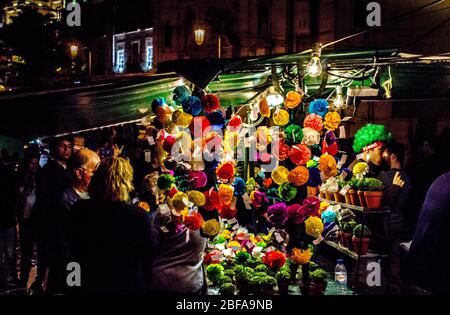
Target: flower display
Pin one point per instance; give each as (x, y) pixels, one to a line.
(299, 154)
(281, 150)
(332, 121)
(274, 260)
(310, 136)
(313, 121)
(225, 171)
(281, 117)
(210, 103)
(292, 99)
(300, 256)
(280, 175)
(313, 226)
(294, 134)
(296, 213)
(298, 176)
(327, 165)
(264, 108)
(193, 221)
(276, 214)
(319, 107)
(211, 227)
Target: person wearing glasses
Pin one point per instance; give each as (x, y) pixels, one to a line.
(51, 181)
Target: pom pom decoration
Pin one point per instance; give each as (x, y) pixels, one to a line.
(332, 121)
(165, 181)
(198, 126)
(300, 256)
(281, 150)
(172, 191)
(235, 122)
(292, 99)
(370, 134)
(168, 143)
(192, 105)
(300, 154)
(296, 213)
(313, 121)
(310, 136)
(157, 102)
(210, 103)
(280, 175)
(216, 119)
(280, 117)
(274, 260)
(328, 216)
(180, 94)
(319, 107)
(181, 119)
(197, 179)
(263, 137)
(327, 165)
(314, 179)
(239, 186)
(258, 198)
(329, 149)
(225, 212)
(276, 214)
(212, 200)
(161, 114)
(294, 134)
(226, 193)
(330, 137)
(197, 198)
(313, 226)
(287, 191)
(193, 221)
(225, 171)
(211, 227)
(264, 108)
(298, 176)
(217, 254)
(312, 206)
(179, 201)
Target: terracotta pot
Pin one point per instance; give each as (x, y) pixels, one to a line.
(329, 196)
(313, 191)
(347, 198)
(353, 197)
(348, 240)
(373, 199)
(341, 238)
(360, 245)
(317, 287)
(338, 197)
(283, 286)
(362, 199)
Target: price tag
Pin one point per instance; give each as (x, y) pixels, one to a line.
(220, 246)
(235, 227)
(164, 229)
(278, 237)
(148, 156)
(151, 141)
(318, 240)
(346, 118)
(360, 156)
(232, 221)
(343, 175)
(342, 134)
(271, 230)
(344, 190)
(316, 158)
(342, 160)
(211, 245)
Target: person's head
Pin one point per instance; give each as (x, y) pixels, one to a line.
(149, 187)
(82, 166)
(394, 154)
(61, 148)
(375, 155)
(113, 180)
(78, 142)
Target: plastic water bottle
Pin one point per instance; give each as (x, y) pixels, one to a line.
(340, 277)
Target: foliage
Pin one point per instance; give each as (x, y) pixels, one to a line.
(359, 232)
(318, 274)
(242, 257)
(215, 273)
(373, 184)
(227, 289)
(348, 227)
(283, 274)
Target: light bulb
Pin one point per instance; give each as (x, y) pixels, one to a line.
(274, 99)
(314, 67)
(339, 100)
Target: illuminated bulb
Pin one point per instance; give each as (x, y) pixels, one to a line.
(339, 100)
(274, 98)
(143, 110)
(314, 67)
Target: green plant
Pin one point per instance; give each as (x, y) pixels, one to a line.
(226, 279)
(373, 184)
(230, 273)
(348, 226)
(318, 275)
(242, 257)
(227, 289)
(358, 231)
(283, 275)
(238, 269)
(215, 273)
(353, 183)
(261, 268)
(361, 184)
(341, 183)
(269, 281)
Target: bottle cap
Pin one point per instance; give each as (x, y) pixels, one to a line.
(340, 261)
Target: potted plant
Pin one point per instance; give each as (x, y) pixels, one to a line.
(347, 233)
(361, 239)
(373, 193)
(227, 288)
(283, 277)
(318, 283)
(243, 277)
(362, 186)
(353, 197)
(215, 273)
(267, 284)
(337, 195)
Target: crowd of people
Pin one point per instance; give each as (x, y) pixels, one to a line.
(81, 206)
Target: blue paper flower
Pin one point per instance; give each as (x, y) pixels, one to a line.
(216, 118)
(328, 216)
(157, 102)
(314, 177)
(239, 186)
(319, 107)
(192, 105)
(180, 94)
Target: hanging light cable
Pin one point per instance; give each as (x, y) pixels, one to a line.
(314, 66)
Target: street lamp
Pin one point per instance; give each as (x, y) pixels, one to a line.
(199, 35)
(74, 50)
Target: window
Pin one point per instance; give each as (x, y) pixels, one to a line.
(168, 36)
(149, 54)
(120, 61)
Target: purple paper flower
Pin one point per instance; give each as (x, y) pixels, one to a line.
(312, 205)
(296, 213)
(276, 214)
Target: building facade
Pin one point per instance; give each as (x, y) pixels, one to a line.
(14, 7)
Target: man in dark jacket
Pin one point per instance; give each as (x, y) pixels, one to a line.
(51, 182)
(429, 255)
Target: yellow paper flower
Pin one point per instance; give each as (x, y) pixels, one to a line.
(179, 201)
(323, 206)
(360, 168)
(226, 234)
(211, 227)
(327, 165)
(332, 120)
(235, 245)
(280, 175)
(313, 226)
(181, 118)
(197, 198)
(225, 194)
(281, 117)
(300, 256)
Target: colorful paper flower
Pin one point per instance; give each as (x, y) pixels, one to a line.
(294, 134)
(192, 105)
(319, 107)
(332, 121)
(193, 221)
(280, 175)
(281, 150)
(360, 169)
(212, 200)
(211, 227)
(225, 171)
(225, 212)
(310, 136)
(313, 226)
(210, 103)
(276, 214)
(258, 198)
(213, 257)
(180, 94)
(296, 213)
(300, 154)
(300, 256)
(327, 165)
(235, 122)
(313, 121)
(198, 126)
(312, 205)
(197, 179)
(328, 216)
(225, 193)
(179, 201)
(264, 108)
(280, 117)
(274, 260)
(181, 118)
(287, 191)
(165, 181)
(314, 179)
(197, 198)
(298, 176)
(292, 99)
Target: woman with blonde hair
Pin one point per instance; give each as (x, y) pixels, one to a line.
(110, 236)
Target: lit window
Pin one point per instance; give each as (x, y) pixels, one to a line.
(149, 54)
(120, 60)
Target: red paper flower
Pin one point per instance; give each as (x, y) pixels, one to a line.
(330, 149)
(300, 154)
(225, 171)
(212, 200)
(194, 221)
(198, 126)
(226, 212)
(313, 121)
(210, 103)
(281, 151)
(312, 206)
(235, 122)
(296, 213)
(209, 257)
(267, 182)
(274, 260)
(172, 192)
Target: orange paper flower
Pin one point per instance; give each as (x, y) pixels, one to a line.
(298, 176)
(327, 165)
(332, 120)
(264, 109)
(300, 256)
